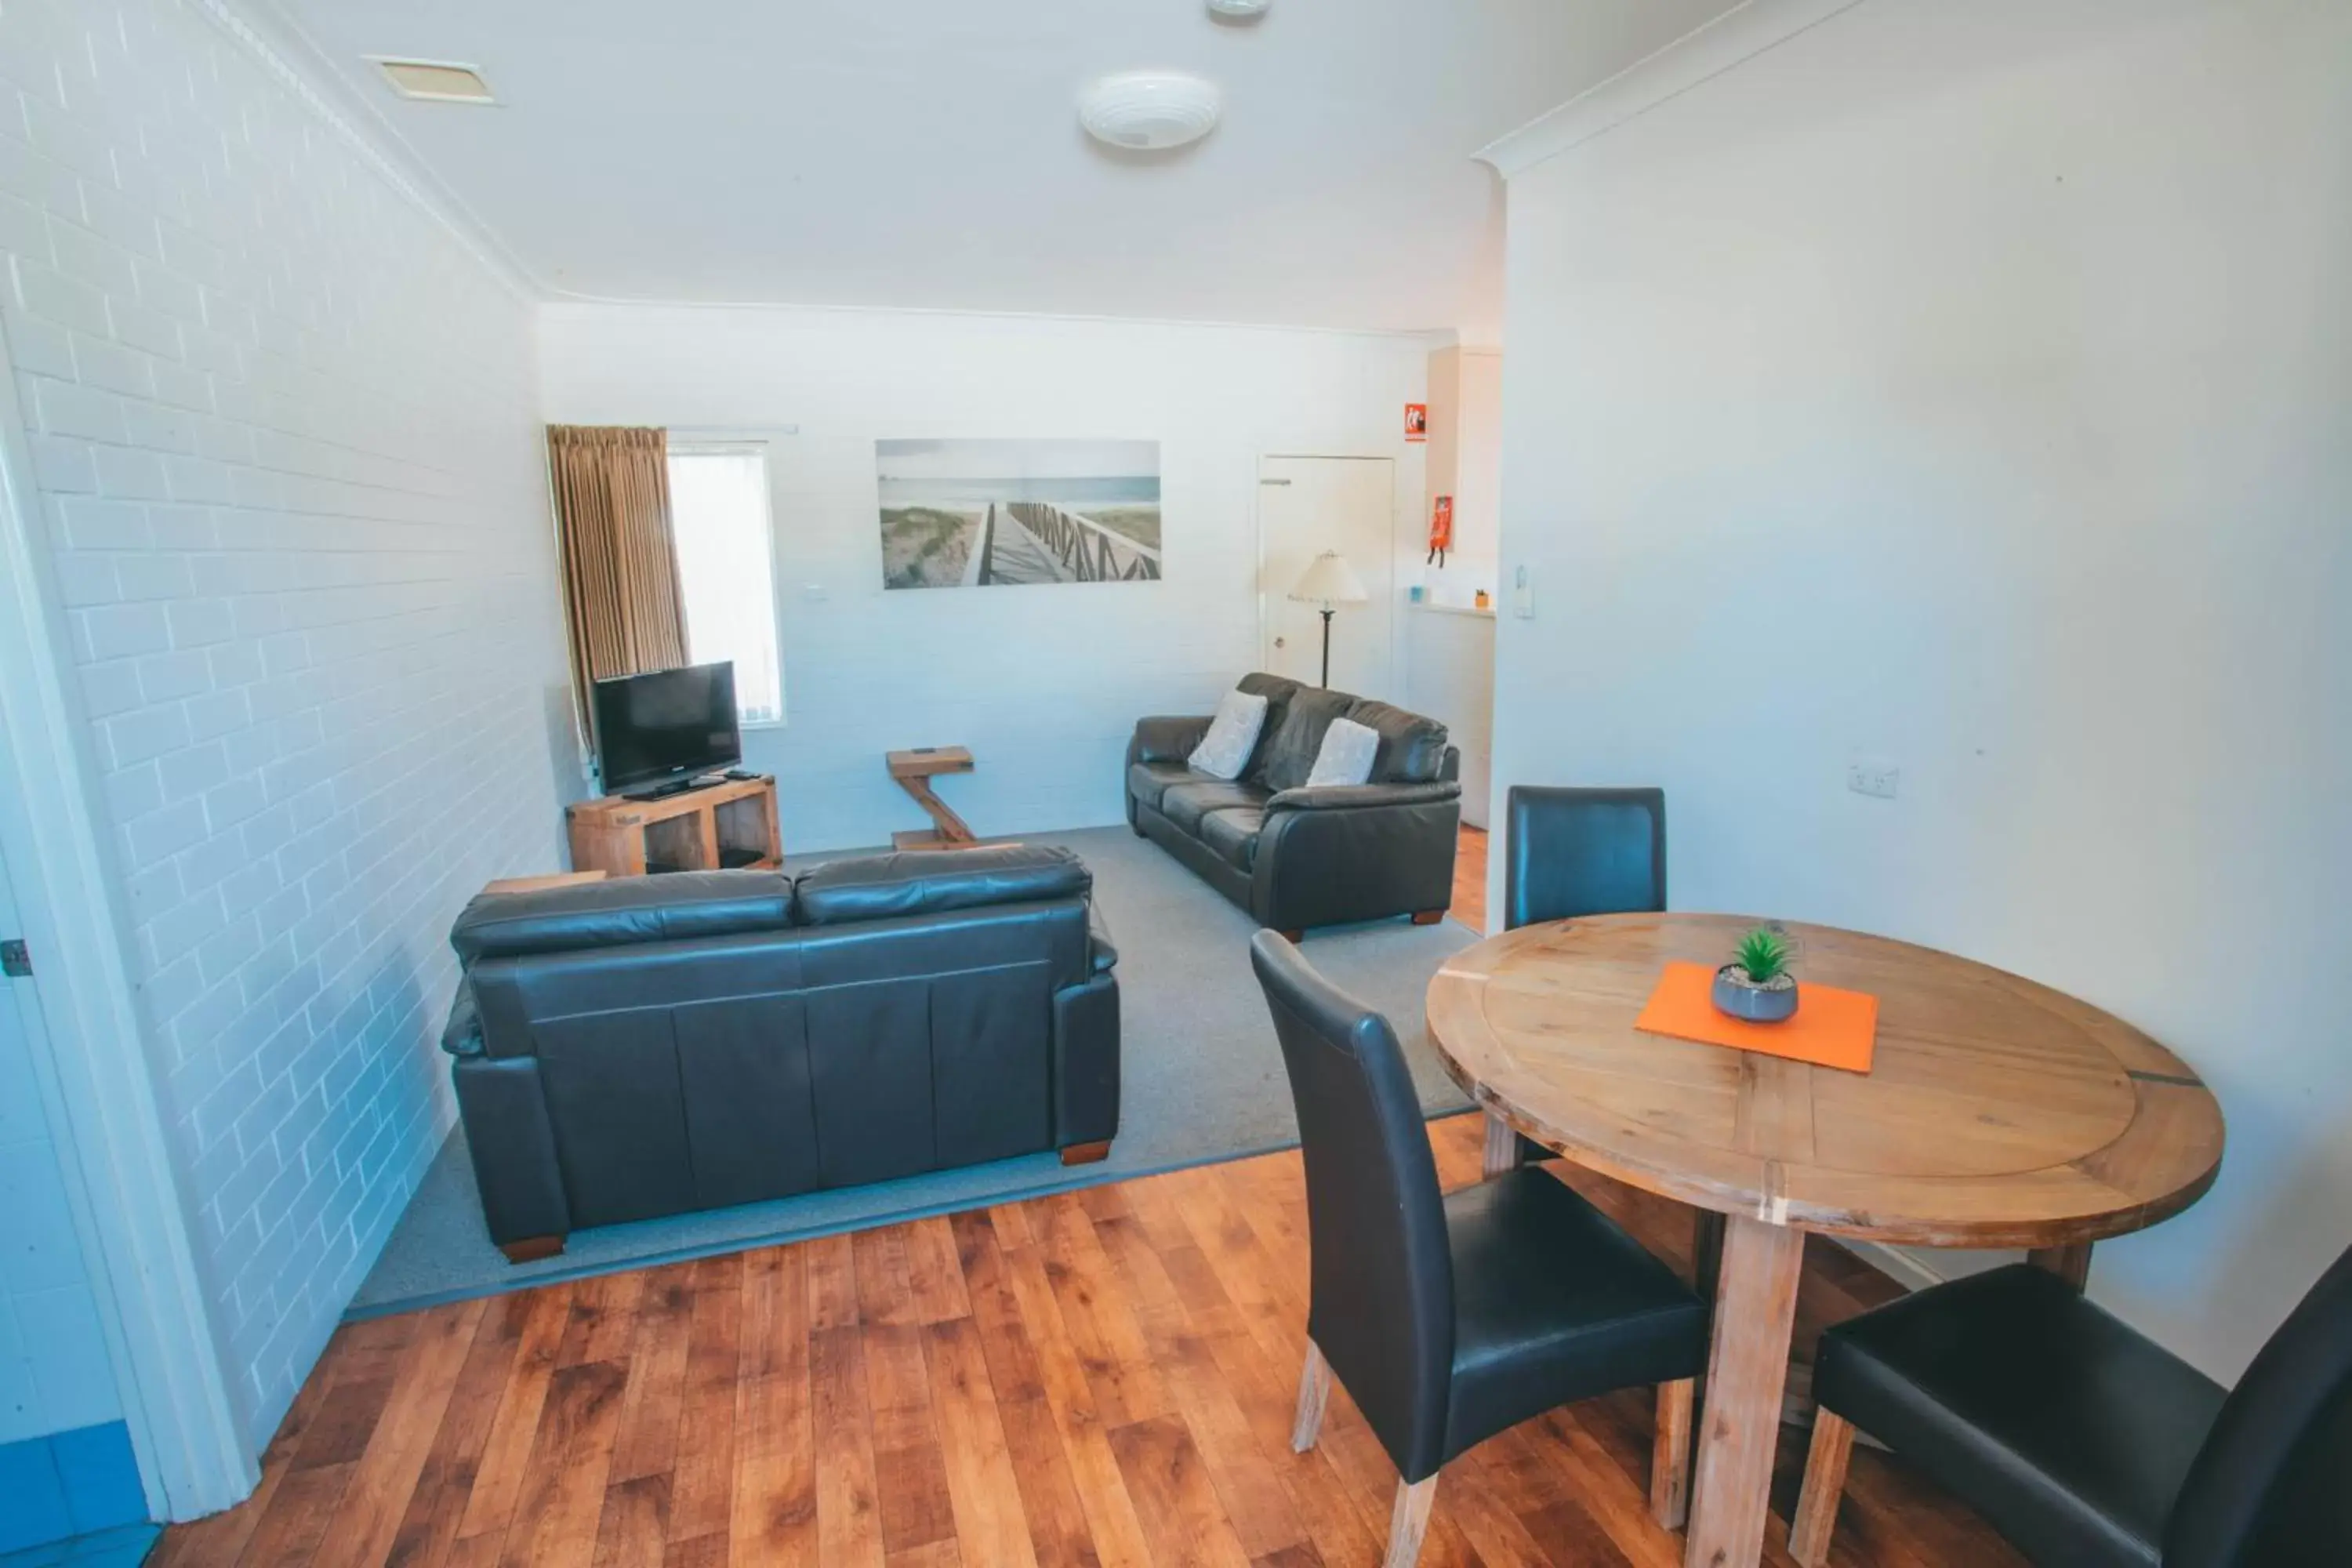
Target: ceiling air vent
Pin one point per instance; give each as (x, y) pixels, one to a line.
(434, 81)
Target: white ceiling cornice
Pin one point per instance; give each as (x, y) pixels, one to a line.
(276, 44)
(1737, 36)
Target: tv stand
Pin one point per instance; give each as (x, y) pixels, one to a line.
(727, 825)
(664, 792)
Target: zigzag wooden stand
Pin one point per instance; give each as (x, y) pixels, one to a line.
(914, 772)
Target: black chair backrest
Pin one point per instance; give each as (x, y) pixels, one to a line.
(1381, 1307)
(1583, 852)
(2272, 1488)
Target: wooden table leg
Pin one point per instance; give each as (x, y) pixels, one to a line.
(2071, 1263)
(1501, 1154)
(1755, 1314)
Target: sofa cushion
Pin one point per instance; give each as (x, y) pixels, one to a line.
(1278, 690)
(1348, 752)
(1186, 804)
(620, 911)
(1232, 834)
(1289, 755)
(930, 882)
(1145, 781)
(1225, 753)
(1412, 749)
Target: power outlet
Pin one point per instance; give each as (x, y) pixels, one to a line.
(1874, 778)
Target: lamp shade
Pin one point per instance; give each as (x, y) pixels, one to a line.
(1329, 580)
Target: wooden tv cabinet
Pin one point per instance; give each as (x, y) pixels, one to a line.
(723, 826)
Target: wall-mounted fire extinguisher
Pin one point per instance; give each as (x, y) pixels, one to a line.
(1440, 531)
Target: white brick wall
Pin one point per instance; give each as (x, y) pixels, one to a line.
(286, 431)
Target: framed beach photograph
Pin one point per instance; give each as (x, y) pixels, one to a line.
(993, 514)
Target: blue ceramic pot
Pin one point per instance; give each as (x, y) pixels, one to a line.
(1754, 1004)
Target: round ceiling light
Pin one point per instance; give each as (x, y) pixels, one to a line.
(1243, 10)
(1149, 110)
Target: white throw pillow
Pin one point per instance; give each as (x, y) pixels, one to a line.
(1347, 755)
(1225, 749)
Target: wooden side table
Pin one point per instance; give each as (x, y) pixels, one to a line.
(914, 772)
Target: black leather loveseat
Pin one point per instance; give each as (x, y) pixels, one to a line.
(653, 1044)
(1293, 856)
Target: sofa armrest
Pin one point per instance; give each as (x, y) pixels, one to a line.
(1167, 738)
(1102, 956)
(1355, 852)
(512, 1143)
(1350, 797)
(1086, 1062)
(462, 1035)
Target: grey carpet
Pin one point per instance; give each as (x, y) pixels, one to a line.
(1202, 1081)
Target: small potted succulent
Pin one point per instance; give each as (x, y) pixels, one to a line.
(1757, 983)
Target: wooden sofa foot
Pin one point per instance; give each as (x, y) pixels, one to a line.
(1427, 917)
(1086, 1153)
(1293, 937)
(531, 1248)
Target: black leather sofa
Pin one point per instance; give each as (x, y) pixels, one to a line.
(653, 1044)
(1296, 857)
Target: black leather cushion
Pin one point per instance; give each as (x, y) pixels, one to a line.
(1554, 1302)
(892, 887)
(1186, 804)
(1278, 690)
(1412, 749)
(1146, 781)
(2269, 1486)
(1288, 756)
(623, 910)
(2067, 1430)
(1232, 834)
(1572, 852)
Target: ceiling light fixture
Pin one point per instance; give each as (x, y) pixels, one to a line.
(1240, 10)
(1149, 110)
(434, 81)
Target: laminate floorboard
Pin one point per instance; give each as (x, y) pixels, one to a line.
(1099, 1380)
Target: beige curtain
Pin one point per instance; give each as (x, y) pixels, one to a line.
(620, 592)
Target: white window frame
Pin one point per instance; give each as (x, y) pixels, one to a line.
(688, 443)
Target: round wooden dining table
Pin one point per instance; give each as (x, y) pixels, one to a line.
(1997, 1113)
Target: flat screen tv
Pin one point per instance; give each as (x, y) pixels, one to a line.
(660, 732)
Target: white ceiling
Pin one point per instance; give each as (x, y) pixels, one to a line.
(927, 152)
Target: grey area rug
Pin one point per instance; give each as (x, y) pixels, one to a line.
(1202, 1080)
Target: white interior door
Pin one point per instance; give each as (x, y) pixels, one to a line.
(1310, 505)
(55, 1370)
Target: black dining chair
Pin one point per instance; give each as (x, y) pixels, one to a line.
(2083, 1442)
(1572, 852)
(1449, 1318)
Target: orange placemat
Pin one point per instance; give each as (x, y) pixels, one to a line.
(1832, 1028)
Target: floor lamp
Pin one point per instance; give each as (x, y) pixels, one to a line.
(1330, 583)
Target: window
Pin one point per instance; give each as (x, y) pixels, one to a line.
(719, 513)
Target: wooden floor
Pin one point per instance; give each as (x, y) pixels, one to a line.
(1470, 879)
(1097, 1378)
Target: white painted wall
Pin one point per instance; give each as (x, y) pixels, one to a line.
(1449, 656)
(1466, 461)
(1971, 386)
(285, 429)
(1044, 684)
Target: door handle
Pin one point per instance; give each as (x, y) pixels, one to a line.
(1281, 642)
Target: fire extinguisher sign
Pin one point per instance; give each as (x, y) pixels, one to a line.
(1416, 421)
